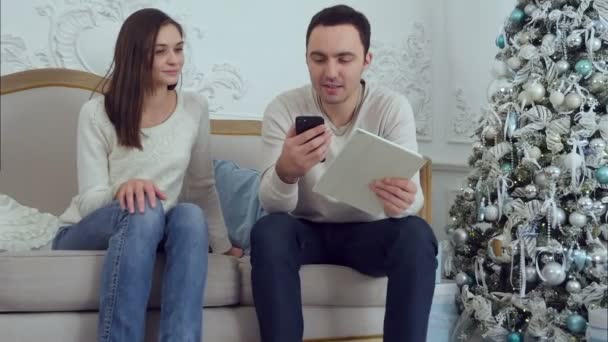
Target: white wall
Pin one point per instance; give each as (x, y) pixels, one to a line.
(243, 53)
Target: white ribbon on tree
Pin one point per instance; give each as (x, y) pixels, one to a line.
(502, 186)
(550, 206)
(577, 147)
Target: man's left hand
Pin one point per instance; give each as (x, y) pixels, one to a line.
(396, 194)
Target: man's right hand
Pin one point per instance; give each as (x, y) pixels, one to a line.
(302, 152)
(134, 192)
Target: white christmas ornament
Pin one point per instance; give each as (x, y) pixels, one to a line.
(536, 91)
(556, 98)
(491, 213)
(514, 63)
(577, 219)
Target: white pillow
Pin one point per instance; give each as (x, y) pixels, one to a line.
(23, 228)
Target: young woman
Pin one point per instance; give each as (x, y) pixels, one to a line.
(142, 148)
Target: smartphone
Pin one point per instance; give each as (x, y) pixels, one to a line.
(306, 122)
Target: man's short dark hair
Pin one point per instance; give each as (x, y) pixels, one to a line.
(341, 15)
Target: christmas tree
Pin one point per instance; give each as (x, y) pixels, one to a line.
(528, 231)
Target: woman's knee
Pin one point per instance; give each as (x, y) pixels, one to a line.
(188, 219)
(149, 224)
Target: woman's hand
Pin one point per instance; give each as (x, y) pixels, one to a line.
(133, 192)
(235, 252)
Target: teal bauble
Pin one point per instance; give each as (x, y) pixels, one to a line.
(517, 16)
(576, 323)
(601, 175)
(506, 168)
(515, 337)
(500, 41)
(583, 67)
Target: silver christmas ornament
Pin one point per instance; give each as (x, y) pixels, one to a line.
(599, 26)
(553, 273)
(577, 219)
(531, 275)
(574, 41)
(540, 179)
(594, 44)
(560, 216)
(469, 194)
(597, 145)
(546, 258)
(599, 255)
(562, 66)
(531, 191)
(573, 286)
(490, 133)
(529, 9)
(599, 208)
(598, 83)
(477, 147)
(459, 237)
(463, 279)
(585, 204)
(552, 172)
(500, 89)
(524, 37)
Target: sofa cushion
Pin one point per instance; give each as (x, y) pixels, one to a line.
(327, 285)
(69, 281)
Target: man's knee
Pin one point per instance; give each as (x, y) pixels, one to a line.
(271, 237)
(415, 238)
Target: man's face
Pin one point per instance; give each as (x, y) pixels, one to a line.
(336, 59)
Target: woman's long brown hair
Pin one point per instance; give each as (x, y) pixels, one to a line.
(130, 76)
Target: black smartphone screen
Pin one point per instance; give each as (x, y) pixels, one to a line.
(306, 122)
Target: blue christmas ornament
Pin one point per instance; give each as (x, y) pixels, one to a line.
(601, 175)
(514, 337)
(518, 15)
(583, 67)
(500, 41)
(576, 323)
(506, 168)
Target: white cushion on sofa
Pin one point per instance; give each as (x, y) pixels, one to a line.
(69, 281)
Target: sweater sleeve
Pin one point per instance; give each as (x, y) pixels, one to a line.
(201, 183)
(275, 195)
(94, 190)
(401, 129)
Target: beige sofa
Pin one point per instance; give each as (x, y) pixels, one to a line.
(53, 295)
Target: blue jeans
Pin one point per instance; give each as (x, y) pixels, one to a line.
(131, 241)
(404, 250)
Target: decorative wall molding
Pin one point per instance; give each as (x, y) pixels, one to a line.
(464, 121)
(451, 168)
(407, 70)
(70, 21)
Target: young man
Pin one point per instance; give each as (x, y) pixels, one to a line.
(306, 228)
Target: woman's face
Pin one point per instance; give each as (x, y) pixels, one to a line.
(168, 56)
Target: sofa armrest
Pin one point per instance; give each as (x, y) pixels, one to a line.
(426, 182)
